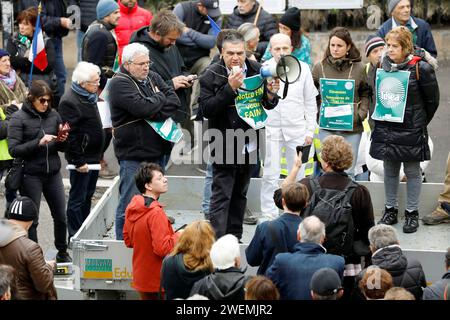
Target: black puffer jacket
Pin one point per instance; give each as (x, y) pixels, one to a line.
(134, 138)
(406, 273)
(225, 284)
(266, 24)
(408, 141)
(26, 128)
(86, 138)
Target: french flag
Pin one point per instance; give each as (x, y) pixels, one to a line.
(38, 56)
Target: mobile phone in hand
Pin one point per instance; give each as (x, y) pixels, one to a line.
(305, 152)
(63, 129)
(193, 78)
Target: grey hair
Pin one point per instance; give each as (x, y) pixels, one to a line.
(224, 252)
(133, 49)
(233, 38)
(248, 30)
(311, 229)
(382, 235)
(84, 71)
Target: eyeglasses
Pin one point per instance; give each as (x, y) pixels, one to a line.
(145, 63)
(43, 100)
(95, 82)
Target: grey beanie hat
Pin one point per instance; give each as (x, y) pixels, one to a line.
(392, 4)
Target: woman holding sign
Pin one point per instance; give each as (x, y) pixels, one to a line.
(343, 90)
(407, 96)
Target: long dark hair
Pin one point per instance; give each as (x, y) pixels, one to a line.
(343, 34)
(39, 88)
(296, 38)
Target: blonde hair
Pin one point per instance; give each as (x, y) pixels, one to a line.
(195, 244)
(398, 293)
(337, 153)
(404, 37)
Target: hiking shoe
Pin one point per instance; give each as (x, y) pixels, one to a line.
(63, 257)
(411, 221)
(389, 216)
(249, 217)
(436, 217)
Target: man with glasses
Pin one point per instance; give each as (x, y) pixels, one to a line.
(138, 95)
(78, 108)
(159, 38)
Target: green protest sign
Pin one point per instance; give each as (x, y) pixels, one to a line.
(391, 94)
(168, 130)
(248, 103)
(336, 111)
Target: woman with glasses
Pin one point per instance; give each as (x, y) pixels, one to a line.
(33, 136)
(12, 94)
(78, 108)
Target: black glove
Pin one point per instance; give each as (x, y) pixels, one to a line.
(10, 110)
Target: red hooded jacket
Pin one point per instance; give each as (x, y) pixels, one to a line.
(148, 231)
(130, 21)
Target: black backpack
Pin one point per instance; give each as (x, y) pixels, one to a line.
(333, 208)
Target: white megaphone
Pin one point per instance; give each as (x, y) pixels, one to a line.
(287, 69)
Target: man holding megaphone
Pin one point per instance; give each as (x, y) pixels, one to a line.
(291, 123)
(233, 97)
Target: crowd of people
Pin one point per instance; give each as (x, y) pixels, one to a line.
(156, 72)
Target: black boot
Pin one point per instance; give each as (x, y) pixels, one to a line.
(389, 216)
(411, 221)
(63, 257)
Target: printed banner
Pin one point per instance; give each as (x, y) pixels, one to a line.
(168, 130)
(248, 103)
(392, 92)
(336, 111)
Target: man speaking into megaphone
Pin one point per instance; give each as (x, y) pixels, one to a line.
(290, 124)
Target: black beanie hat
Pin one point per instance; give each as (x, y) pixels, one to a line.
(291, 19)
(23, 209)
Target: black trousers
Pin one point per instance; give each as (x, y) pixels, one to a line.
(229, 199)
(53, 189)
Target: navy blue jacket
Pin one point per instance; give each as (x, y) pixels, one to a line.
(292, 272)
(424, 37)
(264, 246)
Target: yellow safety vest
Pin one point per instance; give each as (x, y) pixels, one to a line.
(4, 154)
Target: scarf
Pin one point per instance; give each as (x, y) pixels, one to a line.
(91, 97)
(389, 66)
(341, 63)
(9, 79)
(24, 40)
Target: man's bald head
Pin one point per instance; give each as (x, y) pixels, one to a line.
(280, 44)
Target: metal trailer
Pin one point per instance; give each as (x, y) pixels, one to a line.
(102, 267)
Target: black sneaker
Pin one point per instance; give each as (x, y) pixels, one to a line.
(63, 257)
(389, 216)
(411, 221)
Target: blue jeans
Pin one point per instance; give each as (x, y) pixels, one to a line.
(60, 68)
(353, 138)
(413, 183)
(80, 35)
(207, 190)
(82, 189)
(127, 189)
